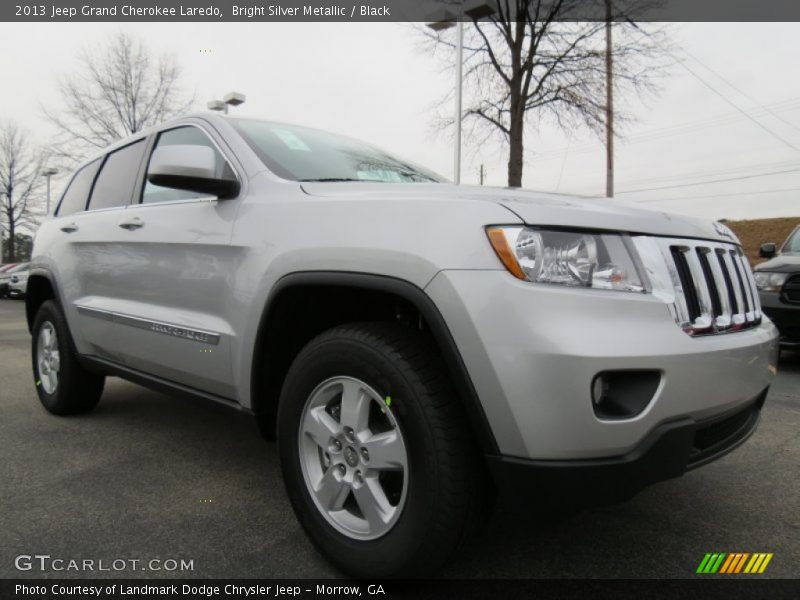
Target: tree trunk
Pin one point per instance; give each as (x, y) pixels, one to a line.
(12, 251)
(515, 140)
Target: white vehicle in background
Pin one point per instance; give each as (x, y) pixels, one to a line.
(18, 283)
(6, 273)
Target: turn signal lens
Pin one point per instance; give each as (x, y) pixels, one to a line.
(504, 252)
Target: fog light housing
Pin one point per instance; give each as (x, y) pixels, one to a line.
(619, 395)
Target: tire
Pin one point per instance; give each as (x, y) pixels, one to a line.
(434, 499)
(63, 385)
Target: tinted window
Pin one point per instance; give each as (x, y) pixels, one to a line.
(185, 136)
(117, 178)
(792, 245)
(75, 196)
(306, 154)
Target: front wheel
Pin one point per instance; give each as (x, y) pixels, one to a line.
(63, 385)
(376, 454)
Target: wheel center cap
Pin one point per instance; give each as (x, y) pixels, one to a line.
(351, 456)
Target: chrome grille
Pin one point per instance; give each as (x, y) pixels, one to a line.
(708, 286)
(714, 287)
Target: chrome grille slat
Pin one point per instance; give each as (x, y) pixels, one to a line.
(714, 286)
(750, 315)
(737, 318)
(751, 280)
(706, 319)
(723, 320)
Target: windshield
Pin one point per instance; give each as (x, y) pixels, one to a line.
(304, 154)
(792, 245)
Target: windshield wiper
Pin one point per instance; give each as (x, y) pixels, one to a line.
(327, 179)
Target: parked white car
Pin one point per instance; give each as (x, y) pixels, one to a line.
(5, 276)
(18, 283)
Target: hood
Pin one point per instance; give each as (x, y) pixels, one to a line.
(537, 208)
(783, 263)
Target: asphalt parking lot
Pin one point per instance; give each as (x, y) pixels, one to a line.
(148, 476)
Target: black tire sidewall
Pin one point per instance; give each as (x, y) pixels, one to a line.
(71, 394)
(392, 552)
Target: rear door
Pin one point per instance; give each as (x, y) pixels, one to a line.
(164, 292)
(89, 217)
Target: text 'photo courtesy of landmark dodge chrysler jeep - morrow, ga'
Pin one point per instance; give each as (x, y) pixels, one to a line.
(411, 344)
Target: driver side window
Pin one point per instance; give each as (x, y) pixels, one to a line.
(186, 136)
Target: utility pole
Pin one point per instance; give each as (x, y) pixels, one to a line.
(482, 173)
(609, 106)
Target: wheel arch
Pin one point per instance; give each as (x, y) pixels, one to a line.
(297, 296)
(41, 288)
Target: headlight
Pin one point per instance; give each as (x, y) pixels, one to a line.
(577, 259)
(770, 282)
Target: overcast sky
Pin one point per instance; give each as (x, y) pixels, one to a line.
(371, 81)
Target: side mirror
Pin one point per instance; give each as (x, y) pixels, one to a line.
(191, 168)
(767, 250)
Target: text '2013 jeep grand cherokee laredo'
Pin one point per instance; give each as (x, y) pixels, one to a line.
(402, 337)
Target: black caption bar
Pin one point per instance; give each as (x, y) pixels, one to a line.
(307, 589)
(395, 10)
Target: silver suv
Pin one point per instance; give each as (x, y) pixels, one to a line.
(412, 345)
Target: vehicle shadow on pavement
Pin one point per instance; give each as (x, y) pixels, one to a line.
(147, 475)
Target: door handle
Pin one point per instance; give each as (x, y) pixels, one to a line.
(132, 223)
(69, 228)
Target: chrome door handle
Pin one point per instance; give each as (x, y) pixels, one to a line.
(69, 228)
(132, 223)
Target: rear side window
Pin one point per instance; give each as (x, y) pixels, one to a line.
(77, 193)
(114, 186)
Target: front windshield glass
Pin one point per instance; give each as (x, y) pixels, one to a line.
(792, 245)
(304, 154)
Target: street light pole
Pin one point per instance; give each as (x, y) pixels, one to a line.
(459, 82)
(48, 173)
(476, 10)
(232, 99)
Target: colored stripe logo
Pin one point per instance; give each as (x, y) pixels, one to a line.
(734, 562)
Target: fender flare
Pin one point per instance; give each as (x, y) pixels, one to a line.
(417, 297)
(44, 273)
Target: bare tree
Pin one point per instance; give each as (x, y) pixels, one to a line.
(528, 62)
(20, 184)
(120, 88)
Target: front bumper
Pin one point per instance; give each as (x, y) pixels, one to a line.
(785, 316)
(533, 351)
(666, 452)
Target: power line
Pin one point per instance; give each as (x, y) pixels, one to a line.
(748, 96)
(736, 106)
(682, 185)
(717, 172)
(670, 131)
(753, 193)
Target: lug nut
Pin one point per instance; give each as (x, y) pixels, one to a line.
(336, 445)
(342, 470)
(348, 433)
(358, 477)
(364, 455)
